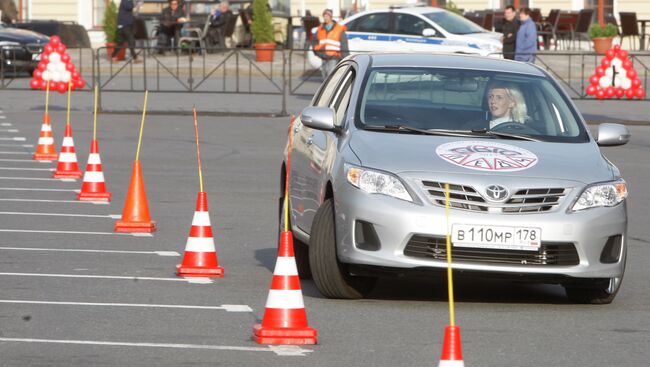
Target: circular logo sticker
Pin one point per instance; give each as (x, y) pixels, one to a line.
(487, 156)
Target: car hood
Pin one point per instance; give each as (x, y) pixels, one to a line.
(486, 37)
(21, 36)
(581, 162)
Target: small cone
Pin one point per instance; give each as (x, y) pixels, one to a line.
(67, 167)
(45, 150)
(452, 354)
(135, 216)
(200, 258)
(285, 320)
(93, 187)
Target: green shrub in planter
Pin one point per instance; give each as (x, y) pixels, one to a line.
(608, 31)
(262, 27)
(110, 22)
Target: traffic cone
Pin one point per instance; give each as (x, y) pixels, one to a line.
(67, 167)
(45, 150)
(452, 354)
(285, 320)
(135, 216)
(200, 258)
(93, 187)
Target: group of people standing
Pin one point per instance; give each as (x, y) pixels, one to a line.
(519, 35)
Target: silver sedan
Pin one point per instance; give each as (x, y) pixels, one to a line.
(531, 196)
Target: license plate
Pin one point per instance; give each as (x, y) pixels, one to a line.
(496, 237)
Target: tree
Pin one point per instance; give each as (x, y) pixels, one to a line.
(262, 27)
(110, 22)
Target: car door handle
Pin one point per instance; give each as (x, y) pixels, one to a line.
(310, 141)
(296, 130)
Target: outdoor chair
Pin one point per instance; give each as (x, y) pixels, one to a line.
(309, 23)
(548, 30)
(581, 30)
(629, 27)
(536, 15)
(197, 35)
(488, 21)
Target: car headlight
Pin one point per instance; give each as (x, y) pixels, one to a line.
(490, 47)
(376, 182)
(603, 194)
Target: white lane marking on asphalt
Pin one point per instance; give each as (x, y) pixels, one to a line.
(37, 179)
(9, 130)
(227, 308)
(17, 146)
(27, 169)
(30, 189)
(14, 152)
(115, 216)
(15, 138)
(159, 253)
(284, 350)
(22, 160)
(117, 277)
(139, 234)
(198, 280)
(56, 201)
(74, 232)
(5, 123)
(60, 215)
(3, 117)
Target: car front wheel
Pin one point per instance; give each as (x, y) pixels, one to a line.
(596, 291)
(331, 277)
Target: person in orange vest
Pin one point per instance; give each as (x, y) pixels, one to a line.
(330, 43)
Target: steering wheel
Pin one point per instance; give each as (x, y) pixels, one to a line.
(516, 127)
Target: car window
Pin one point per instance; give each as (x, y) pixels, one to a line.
(341, 101)
(329, 88)
(371, 23)
(408, 24)
(454, 23)
(456, 99)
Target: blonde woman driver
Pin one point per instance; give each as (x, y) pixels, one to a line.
(506, 104)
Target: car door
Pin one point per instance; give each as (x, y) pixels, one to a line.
(307, 156)
(407, 34)
(369, 33)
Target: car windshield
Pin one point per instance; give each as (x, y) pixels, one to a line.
(472, 102)
(454, 23)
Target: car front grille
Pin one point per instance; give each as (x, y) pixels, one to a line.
(549, 253)
(15, 53)
(533, 200)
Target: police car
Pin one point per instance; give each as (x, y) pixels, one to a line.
(416, 29)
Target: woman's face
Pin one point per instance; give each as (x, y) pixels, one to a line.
(499, 103)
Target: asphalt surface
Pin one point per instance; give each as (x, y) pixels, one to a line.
(401, 324)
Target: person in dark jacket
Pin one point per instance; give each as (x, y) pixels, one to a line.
(219, 20)
(171, 22)
(510, 28)
(125, 22)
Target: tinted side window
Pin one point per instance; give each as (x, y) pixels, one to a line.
(330, 88)
(409, 24)
(341, 101)
(371, 23)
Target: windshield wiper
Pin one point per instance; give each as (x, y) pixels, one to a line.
(504, 135)
(442, 132)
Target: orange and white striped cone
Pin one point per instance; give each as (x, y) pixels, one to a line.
(45, 151)
(67, 166)
(285, 319)
(200, 258)
(93, 187)
(452, 353)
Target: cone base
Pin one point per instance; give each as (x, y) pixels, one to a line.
(46, 156)
(451, 364)
(94, 196)
(288, 336)
(67, 174)
(124, 226)
(192, 271)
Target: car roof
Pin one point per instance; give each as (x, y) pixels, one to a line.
(455, 61)
(419, 9)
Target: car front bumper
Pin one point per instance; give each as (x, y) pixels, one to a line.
(396, 222)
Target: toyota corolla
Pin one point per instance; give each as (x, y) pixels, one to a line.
(531, 195)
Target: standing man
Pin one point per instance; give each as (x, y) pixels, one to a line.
(171, 22)
(125, 22)
(510, 28)
(330, 43)
(526, 45)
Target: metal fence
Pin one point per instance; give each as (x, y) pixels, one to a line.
(233, 81)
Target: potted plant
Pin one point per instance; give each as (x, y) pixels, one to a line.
(110, 30)
(602, 37)
(262, 30)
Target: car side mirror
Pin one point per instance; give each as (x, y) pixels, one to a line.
(612, 134)
(429, 32)
(319, 118)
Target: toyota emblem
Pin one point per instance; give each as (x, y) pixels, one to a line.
(496, 193)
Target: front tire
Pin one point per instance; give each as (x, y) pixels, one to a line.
(330, 276)
(596, 291)
(300, 249)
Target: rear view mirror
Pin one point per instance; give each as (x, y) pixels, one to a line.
(319, 118)
(461, 85)
(428, 32)
(612, 134)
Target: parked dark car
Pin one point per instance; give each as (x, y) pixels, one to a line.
(20, 49)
